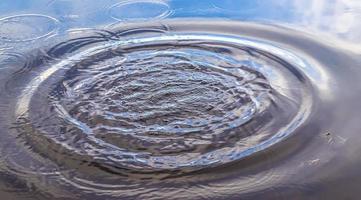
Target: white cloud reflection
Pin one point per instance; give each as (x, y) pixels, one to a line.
(338, 18)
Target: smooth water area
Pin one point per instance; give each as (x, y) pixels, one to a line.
(152, 99)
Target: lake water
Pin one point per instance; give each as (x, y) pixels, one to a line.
(180, 99)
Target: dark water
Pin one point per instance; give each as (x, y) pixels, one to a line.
(179, 108)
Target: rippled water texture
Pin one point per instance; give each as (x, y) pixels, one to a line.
(176, 109)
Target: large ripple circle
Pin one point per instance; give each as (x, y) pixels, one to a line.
(184, 101)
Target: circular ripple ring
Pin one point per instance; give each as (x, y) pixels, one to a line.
(180, 101)
(31, 26)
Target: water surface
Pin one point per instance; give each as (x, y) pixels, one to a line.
(179, 100)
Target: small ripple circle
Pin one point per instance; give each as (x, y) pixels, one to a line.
(139, 10)
(27, 27)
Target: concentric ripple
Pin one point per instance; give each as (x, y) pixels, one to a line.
(27, 27)
(164, 101)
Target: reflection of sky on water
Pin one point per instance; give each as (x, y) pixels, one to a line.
(336, 17)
